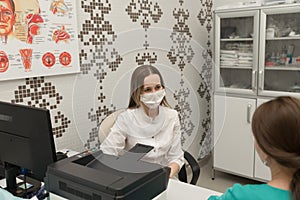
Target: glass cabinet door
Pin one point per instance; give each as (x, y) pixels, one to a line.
(280, 43)
(236, 51)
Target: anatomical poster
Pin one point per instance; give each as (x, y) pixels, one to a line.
(38, 38)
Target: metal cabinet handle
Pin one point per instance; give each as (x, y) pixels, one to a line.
(248, 113)
(260, 84)
(254, 80)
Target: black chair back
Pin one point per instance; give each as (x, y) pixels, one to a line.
(182, 175)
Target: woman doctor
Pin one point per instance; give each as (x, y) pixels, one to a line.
(148, 120)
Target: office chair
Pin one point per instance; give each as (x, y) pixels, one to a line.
(108, 122)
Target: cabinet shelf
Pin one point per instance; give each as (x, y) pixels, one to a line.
(236, 39)
(283, 38)
(236, 67)
(292, 67)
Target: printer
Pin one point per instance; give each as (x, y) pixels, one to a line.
(99, 176)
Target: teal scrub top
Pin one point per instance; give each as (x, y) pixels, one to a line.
(253, 191)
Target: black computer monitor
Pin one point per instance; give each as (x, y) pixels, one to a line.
(26, 142)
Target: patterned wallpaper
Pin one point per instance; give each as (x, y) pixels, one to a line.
(116, 37)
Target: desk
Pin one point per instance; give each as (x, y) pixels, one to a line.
(176, 191)
(179, 191)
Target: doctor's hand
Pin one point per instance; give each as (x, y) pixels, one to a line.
(174, 169)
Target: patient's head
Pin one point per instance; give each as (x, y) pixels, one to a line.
(276, 128)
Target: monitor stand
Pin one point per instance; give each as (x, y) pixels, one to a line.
(20, 189)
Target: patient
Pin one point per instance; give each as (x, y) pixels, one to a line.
(148, 120)
(276, 129)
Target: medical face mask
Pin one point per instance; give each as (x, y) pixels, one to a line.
(153, 100)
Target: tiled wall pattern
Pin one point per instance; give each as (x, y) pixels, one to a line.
(115, 37)
(38, 93)
(145, 13)
(180, 54)
(205, 17)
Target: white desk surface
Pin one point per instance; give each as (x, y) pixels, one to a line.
(176, 191)
(179, 191)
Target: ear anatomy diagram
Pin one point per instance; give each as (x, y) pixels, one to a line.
(60, 35)
(26, 55)
(3, 62)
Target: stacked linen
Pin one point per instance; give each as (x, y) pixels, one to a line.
(247, 48)
(245, 55)
(245, 59)
(228, 58)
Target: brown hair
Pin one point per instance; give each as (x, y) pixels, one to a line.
(276, 128)
(137, 83)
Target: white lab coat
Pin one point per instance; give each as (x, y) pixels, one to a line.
(134, 126)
